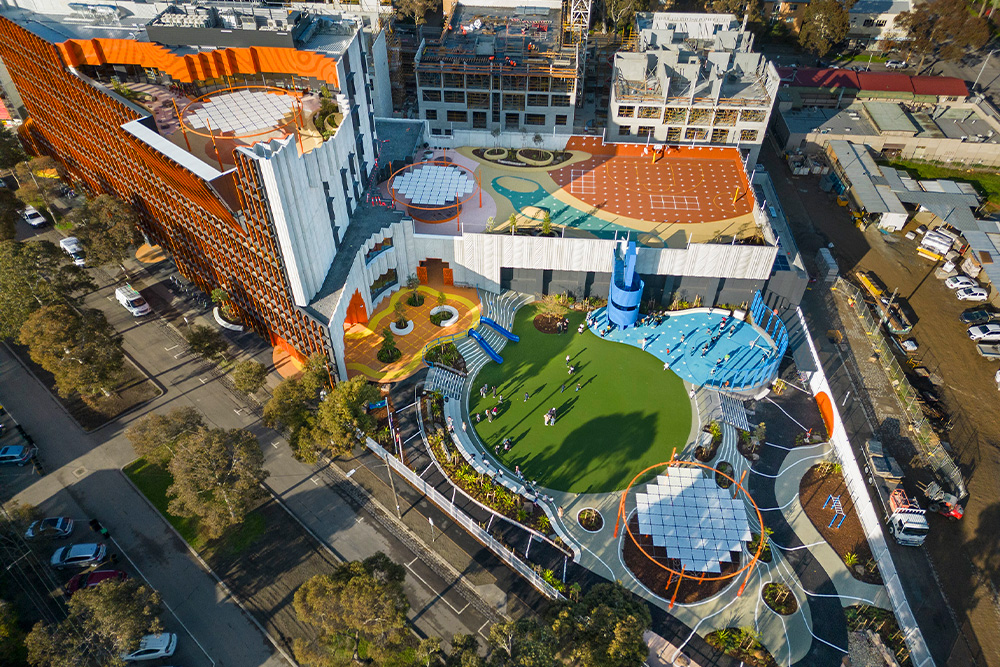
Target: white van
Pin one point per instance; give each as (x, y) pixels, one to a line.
(132, 301)
(71, 246)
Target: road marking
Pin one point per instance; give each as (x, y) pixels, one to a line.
(350, 472)
(313, 480)
(172, 612)
(203, 380)
(407, 407)
(178, 355)
(239, 412)
(480, 631)
(427, 468)
(437, 595)
(276, 443)
(171, 347)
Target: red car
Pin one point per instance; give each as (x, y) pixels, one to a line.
(91, 579)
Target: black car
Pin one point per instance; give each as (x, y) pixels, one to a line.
(978, 316)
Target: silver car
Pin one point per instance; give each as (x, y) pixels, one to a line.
(78, 555)
(152, 647)
(53, 526)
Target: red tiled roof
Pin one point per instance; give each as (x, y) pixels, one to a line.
(944, 86)
(897, 83)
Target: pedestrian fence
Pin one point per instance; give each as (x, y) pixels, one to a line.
(466, 522)
(870, 521)
(928, 443)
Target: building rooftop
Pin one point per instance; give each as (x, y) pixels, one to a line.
(938, 86)
(398, 138)
(828, 121)
(890, 117)
(880, 7)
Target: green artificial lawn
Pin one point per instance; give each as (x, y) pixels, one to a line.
(629, 413)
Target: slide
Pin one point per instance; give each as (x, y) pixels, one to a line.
(490, 352)
(503, 332)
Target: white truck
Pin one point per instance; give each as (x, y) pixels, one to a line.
(904, 518)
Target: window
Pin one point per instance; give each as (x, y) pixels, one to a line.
(511, 101)
(432, 96)
(748, 135)
(561, 119)
(429, 79)
(720, 136)
(695, 134)
(560, 100)
(458, 117)
(479, 120)
(538, 100)
(534, 119)
(673, 134)
(649, 112)
(880, 23)
(436, 131)
(700, 117)
(454, 97)
(752, 116)
(645, 131)
(477, 81)
(624, 130)
(562, 85)
(454, 81)
(431, 114)
(512, 119)
(626, 112)
(538, 84)
(478, 100)
(869, 23)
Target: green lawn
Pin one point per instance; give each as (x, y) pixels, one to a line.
(153, 481)
(987, 182)
(628, 414)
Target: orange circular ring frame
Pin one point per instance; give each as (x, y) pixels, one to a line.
(212, 134)
(420, 207)
(683, 574)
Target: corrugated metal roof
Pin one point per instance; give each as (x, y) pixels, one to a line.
(885, 81)
(939, 86)
(860, 170)
(890, 117)
(936, 86)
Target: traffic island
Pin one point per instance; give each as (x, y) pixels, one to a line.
(821, 485)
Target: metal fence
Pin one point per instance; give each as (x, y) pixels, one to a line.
(463, 520)
(928, 443)
(868, 515)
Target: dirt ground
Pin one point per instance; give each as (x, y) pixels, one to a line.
(965, 554)
(814, 489)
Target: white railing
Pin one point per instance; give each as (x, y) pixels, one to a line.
(870, 520)
(466, 522)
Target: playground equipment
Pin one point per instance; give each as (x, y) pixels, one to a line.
(487, 348)
(838, 510)
(499, 329)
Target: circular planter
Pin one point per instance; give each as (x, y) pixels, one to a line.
(591, 525)
(525, 156)
(495, 153)
(224, 323)
(446, 309)
(401, 332)
(779, 599)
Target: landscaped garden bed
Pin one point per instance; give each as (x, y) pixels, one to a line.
(549, 323)
(724, 474)
(779, 598)
(448, 355)
(522, 157)
(883, 623)
(590, 520)
(706, 453)
(742, 644)
(816, 486)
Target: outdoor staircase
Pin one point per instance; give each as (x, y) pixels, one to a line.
(734, 413)
(500, 308)
(446, 381)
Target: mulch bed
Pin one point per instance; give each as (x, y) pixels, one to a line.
(590, 519)
(548, 323)
(134, 390)
(779, 598)
(814, 488)
(558, 157)
(655, 578)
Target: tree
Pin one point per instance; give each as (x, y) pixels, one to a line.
(107, 228)
(82, 351)
(154, 436)
(389, 351)
(546, 223)
(416, 9)
(12, 649)
(943, 29)
(292, 407)
(522, 643)
(11, 209)
(249, 376)
(344, 418)
(464, 652)
(824, 24)
(399, 310)
(513, 223)
(206, 342)
(604, 629)
(11, 151)
(102, 623)
(739, 8)
(32, 275)
(224, 301)
(619, 14)
(217, 477)
(429, 650)
(361, 600)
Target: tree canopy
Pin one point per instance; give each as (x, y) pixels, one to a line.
(824, 25)
(943, 29)
(102, 622)
(82, 351)
(249, 376)
(344, 417)
(604, 629)
(206, 342)
(293, 406)
(11, 209)
(12, 650)
(361, 600)
(32, 275)
(217, 476)
(11, 151)
(107, 227)
(522, 643)
(154, 436)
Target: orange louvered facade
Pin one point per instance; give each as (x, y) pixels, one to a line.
(214, 243)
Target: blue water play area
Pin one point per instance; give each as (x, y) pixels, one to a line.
(706, 347)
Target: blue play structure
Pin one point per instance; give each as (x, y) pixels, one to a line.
(838, 510)
(626, 289)
(490, 352)
(503, 332)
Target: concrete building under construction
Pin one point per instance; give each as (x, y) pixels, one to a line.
(505, 66)
(692, 79)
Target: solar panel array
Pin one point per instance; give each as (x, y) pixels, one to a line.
(693, 518)
(242, 112)
(434, 185)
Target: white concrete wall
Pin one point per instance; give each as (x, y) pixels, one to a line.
(380, 80)
(551, 140)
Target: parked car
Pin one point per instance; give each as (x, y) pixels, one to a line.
(972, 294)
(53, 526)
(78, 555)
(896, 64)
(33, 217)
(71, 246)
(152, 647)
(958, 282)
(983, 331)
(91, 579)
(19, 454)
(978, 316)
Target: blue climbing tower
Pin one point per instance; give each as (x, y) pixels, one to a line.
(626, 288)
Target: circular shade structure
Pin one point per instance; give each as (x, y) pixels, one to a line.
(241, 112)
(433, 191)
(698, 524)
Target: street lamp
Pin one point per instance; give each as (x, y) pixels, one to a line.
(985, 60)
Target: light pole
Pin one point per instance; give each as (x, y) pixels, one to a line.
(430, 520)
(985, 60)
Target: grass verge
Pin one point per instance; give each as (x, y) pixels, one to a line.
(986, 182)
